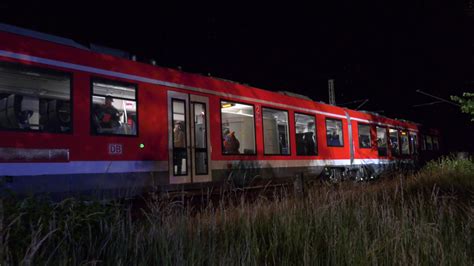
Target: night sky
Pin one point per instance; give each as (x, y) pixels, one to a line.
(378, 50)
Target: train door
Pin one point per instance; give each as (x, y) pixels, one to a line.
(189, 151)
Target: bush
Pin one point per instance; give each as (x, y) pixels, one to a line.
(447, 172)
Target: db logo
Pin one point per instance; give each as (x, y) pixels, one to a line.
(115, 149)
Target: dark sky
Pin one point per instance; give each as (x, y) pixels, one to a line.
(378, 50)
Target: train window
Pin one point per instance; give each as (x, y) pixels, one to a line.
(429, 143)
(238, 128)
(200, 138)
(435, 143)
(306, 142)
(364, 136)
(382, 141)
(275, 132)
(334, 133)
(34, 99)
(405, 145)
(394, 145)
(423, 143)
(413, 143)
(114, 108)
(180, 154)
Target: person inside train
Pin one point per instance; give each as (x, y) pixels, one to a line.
(108, 115)
(365, 141)
(179, 135)
(334, 139)
(305, 144)
(24, 119)
(310, 143)
(231, 143)
(179, 145)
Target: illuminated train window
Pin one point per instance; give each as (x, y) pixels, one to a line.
(276, 138)
(200, 138)
(364, 136)
(413, 143)
(334, 133)
(435, 143)
(180, 155)
(394, 144)
(405, 145)
(114, 108)
(238, 128)
(382, 141)
(306, 141)
(429, 143)
(34, 99)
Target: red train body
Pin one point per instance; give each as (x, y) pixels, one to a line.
(57, 81)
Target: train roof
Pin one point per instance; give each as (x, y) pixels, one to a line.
(115, 61)
(42, 36)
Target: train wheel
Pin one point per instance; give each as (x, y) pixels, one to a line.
(336, 175)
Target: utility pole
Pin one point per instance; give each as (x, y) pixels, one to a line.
(332, 94)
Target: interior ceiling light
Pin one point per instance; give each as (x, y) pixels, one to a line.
(107, 86)
(227, 105)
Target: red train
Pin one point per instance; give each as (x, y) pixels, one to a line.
(73, 119)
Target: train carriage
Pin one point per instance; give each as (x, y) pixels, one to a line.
(76, 120)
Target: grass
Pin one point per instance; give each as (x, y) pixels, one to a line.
(427, 218)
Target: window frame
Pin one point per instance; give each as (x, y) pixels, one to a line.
(46, 70)
(431, 142)
(263, 132)
(385, 129)
(400, 135)
(117, 83)
(315, 132)
(398, 142)
(188, 160)
(422, 142)
(342, 132)
(413, 144)
(370, 134)
(433, 138)
(222, 132)
(205, 139)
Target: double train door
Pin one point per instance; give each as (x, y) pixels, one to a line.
(189, 149)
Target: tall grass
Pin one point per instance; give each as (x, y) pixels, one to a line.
(424, 219)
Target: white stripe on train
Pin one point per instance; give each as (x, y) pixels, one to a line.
(305, 163)
(81, 167)
(94, 70)
(99, 167)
